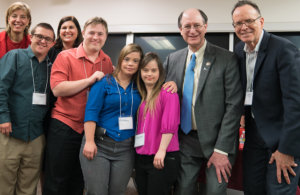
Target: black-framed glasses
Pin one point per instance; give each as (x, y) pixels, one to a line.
(189, 27)
(41, 37)
(246, 22)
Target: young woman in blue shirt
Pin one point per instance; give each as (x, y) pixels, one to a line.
(107, 152)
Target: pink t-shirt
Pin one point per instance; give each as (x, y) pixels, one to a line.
(166, 119)
(73, 65)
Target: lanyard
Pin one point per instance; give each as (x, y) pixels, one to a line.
(33, 77)
(142, 120)
(121, 97)
(83, 60)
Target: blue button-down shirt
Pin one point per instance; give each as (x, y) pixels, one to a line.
(103, 107)
(16, 90)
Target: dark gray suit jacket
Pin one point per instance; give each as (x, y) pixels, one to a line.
(218, 106)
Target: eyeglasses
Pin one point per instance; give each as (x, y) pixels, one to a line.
(41, 37)
(195, 26)
(246, 22)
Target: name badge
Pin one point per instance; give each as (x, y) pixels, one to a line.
(139, 140)
(125, 123)
(39, 98)
(248, 98)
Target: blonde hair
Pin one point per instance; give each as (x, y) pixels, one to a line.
(94, 21)
(153, 100)
(14, 7)
(124, 52)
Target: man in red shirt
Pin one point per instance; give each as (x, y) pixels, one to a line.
(73, 73)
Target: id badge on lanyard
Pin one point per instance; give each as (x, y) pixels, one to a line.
(248, 98)
(139, 140)
(39, 98)
(125, 123)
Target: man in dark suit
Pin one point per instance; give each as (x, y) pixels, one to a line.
(270, 72)
(210, 135)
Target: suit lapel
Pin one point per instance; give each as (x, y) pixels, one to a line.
(208, 60)
(261, 54)
(180, 69)
(243, 71)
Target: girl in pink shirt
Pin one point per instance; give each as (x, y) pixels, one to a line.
(156, 139)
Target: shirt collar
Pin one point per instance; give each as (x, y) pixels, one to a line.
(81, 54)
(32, 56)
(247, 49)
(30, 52)
(200, 52)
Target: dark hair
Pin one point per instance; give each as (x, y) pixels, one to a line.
(43, 25)
(58, 42)
(245, 2)
(203, 15)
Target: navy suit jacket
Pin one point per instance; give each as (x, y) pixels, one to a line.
(276, 92)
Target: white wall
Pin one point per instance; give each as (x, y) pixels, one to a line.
(157, 15)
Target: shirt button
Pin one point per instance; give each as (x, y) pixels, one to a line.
(125, 104)
(118, 134)
(123, 113)
(125, 93)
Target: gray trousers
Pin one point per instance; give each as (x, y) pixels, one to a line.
(191, 159)
(110, 170)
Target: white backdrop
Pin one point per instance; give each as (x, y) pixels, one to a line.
(157, 15)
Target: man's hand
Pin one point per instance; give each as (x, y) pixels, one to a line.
(96, 77)
(5, 128)
(284, 163)
(159, 158)
(89, 150)
(171, 85)
(222, 165)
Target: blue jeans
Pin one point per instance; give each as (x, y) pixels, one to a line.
(110, 170)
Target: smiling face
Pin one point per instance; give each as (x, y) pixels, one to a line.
(130, 64)
(94, 38)
(150, 74)
(68, 32)
(18, 21)
(193, 29)
(250, 33)
(39, 45)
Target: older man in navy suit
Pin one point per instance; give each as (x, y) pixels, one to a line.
(270, 72)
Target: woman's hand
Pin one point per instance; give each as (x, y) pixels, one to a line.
(159, 158)
(90, 150)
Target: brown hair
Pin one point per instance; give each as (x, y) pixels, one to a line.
(151, 103)
(14, 7)
(78, 40)
(127, 49)
(94, 21)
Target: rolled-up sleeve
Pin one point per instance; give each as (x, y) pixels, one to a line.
(95, 101)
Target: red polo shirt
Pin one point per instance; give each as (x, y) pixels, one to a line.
(73, 65)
